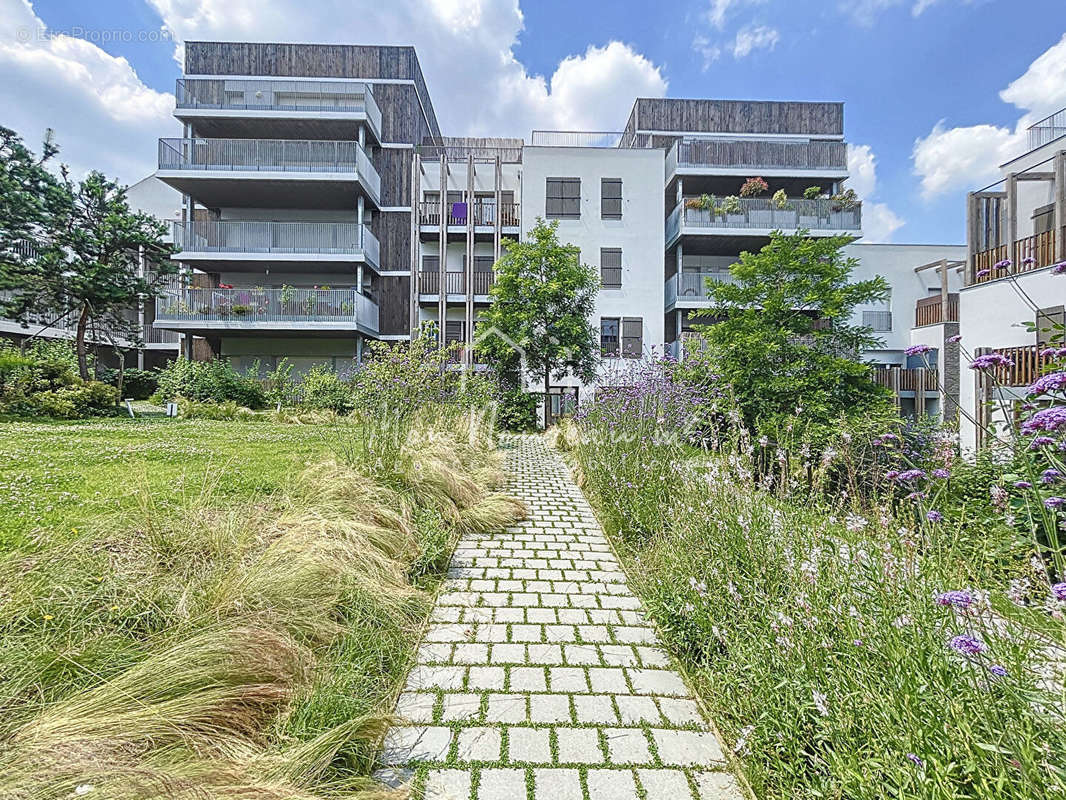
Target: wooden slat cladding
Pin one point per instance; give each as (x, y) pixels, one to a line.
(394, 166)
(393, 231)
(328, 61)
(394, 308)
(736, 116)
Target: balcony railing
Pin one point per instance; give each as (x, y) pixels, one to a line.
(1028, 254)
(614, 139)
(270, 155)
(930, 310)
(1048, 129)
(763, 214)
(757, 154)
(1026, 365)
(484, 213)
(693, 285)
(455, 282)
(278, 95)
(324, 238)
(906, 379)
(248, 307)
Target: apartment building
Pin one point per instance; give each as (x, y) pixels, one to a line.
(1010, 300)
(322, 208)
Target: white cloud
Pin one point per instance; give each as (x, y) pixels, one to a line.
(719, 10)
(707, 49)
(963, 157)
(104, 117)
(466, 50)
(754, 38)
(879, 222)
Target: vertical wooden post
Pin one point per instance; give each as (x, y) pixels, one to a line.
(416, 227)
(1059, 189)
(971, 237)
(442, 287)
(1011, 214)
(469, 277)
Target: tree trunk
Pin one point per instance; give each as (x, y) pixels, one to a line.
(121, 371)
(83, 323)
(547, 397)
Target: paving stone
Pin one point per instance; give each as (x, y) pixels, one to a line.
(627, 746)
(652, 657)
(568, 679)
(634, 710)
(687, 748)
(630, 635)
(545, 654)
(508, 653)
(527, 679)
(460, 706)
(680, 711)
(525, 633)
(594, 708)
(479, 744)
(717, 786)
(416, 706)
(405, 745)
(471, 654)
(485, 678)
(549, 708)
(422, 677)
(664, 784)
(608, 680)
(447, 784)
(586, 654)
(618, 655)
(611, 784)
(657, 681)
(506, 708)
(557, 784)
(529, 745)
(502, 784)
(578, 746)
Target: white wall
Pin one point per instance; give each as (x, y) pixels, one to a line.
(640, 232)
(154, 197)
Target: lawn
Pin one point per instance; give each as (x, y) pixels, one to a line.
(59, 476)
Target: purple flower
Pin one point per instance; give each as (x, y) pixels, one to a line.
(1023, 485)
(1041, 441)
(967, 645)
(1028, 260)
(998, 670)
(1050, 476)
(1059, 269)
(956, 598)
(1049, 352)
(915, 759)
(1002, 264)
(934, 516)
(892, 474)
(915, 496)
(1046, 419)
(1048, 383)
(941, 473)
(1059, 591)
(917, 349)
(956, 338)
(990, 360)
(1055, 502)
(910, 475)
(982, 273)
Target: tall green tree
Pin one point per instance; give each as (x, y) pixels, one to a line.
(542, 301)
(782, 336)
(88, 245)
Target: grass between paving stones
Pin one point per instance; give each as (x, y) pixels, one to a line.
(216, 609)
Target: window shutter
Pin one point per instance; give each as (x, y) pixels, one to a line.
(1049, 330)
(611, 267)
(632, 337)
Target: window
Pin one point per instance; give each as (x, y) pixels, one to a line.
(632, 337)
(611, 267)
(877, 320)
(431, 263)
(927, 360)
(609, 337)
(562, 198)
(611, 198)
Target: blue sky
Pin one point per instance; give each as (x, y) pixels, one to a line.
(909, 71)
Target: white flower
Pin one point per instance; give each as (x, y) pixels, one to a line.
(742, 740)
(820, 703)
(82, 789)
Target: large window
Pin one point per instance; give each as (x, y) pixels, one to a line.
(562, 198)
(632, 337)
(611, 198)
(611, 267)
(609, 336)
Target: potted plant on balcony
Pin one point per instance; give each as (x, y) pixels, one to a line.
(842, 209)
(239, 309)
(758, 214)
(784, 213)
(808, 214)
(733, 210)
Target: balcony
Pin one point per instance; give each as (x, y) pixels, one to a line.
(267, 309)
(269, 173)
(930, 310)
(455, 283)
(1027, 255)
(906, 379)
(244, 245)
(310, 108)
(1026, 365)
(1047, 130)
(690, 289)
(740, 156)
(758, 216)
(484, 214)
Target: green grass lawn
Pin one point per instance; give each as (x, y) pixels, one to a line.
(58, 476)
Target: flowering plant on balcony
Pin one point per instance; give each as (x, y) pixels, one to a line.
(753, 187)
(780, 200)
(705, 202)
(731, 205)
(845, 200)
(812, 192)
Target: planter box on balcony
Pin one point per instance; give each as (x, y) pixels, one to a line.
(735, 220)
(808, 221)
(761, 218)
(784, 219)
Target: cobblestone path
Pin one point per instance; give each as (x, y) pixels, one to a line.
(539, 676)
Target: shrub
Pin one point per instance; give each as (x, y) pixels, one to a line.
(139, 384)
(517, 411)
(88, 399)
(321, 388)
(209, 381)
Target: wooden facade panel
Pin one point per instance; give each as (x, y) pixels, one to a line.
(394, 167)
(393, 231)
(395, 306)
(736, 116)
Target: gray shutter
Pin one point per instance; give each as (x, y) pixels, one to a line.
(632, 337)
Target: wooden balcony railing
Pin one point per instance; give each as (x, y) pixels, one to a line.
(484, 214)
(906, 379)
(1028, 254)
(930, 310)
(1025, 366)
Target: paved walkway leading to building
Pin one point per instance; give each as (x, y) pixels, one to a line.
(540, 677)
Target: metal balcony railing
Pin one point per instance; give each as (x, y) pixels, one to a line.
(761, 154)
(484, 213)
(279, 95)
(247, 307)
(220, 236)
(693, 285)
(270, 155)
(762, 213)
(1048, 129)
